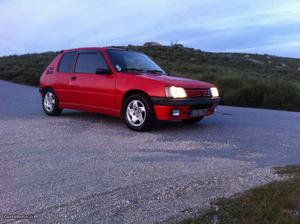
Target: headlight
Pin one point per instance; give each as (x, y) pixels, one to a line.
(175, 92)
(214, 92)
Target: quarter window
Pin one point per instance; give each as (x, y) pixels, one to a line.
(88, 62)
(66, 62)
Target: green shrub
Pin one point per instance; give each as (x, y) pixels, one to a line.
(241, 82)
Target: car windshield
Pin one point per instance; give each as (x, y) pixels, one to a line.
(124, 60)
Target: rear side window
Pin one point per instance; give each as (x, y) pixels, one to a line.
(67, 62)
(88, 62)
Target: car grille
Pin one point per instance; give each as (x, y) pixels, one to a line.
(197, 92)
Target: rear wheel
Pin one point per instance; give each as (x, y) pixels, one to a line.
(192, 120)
(138, 112)
(50, 103)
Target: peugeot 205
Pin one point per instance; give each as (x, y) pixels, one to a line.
(123, 83)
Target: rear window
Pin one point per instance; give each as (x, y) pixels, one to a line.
(88, 62)
(67, 62)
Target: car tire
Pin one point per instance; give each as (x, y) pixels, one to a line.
(138, 113)
(192, 120)
(50, 103)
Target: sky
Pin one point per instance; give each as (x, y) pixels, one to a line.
(256, 26)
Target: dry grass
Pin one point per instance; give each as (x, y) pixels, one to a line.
(274, 203)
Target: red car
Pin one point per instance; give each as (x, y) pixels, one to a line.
(123, 83)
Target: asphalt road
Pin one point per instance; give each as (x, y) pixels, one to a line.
(89, 168)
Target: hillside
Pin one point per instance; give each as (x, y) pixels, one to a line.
(243, 79)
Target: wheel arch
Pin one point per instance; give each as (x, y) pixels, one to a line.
(128, 94)
(45, 88)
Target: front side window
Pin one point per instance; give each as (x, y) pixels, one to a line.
(89, 62)
(66, 62)
(124, 60)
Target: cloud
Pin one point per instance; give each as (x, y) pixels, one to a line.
(36, 26)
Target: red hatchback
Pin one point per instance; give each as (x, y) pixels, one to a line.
(125, 84)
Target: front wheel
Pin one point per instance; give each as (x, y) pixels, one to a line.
(138, 113)
(50, 103)
(192, 120)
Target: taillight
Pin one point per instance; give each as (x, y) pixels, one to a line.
(50, 70)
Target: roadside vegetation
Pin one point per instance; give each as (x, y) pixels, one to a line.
(274, 203)
(249, 80)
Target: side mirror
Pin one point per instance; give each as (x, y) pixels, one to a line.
(103, 71)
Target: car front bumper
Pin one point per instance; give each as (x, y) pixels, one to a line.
(164, 107)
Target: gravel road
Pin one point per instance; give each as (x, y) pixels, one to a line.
(89, 168)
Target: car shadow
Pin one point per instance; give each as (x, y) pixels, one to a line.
(89, 116)
(179, 126)
(160, 126)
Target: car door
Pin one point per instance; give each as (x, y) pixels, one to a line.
(94, 91)
(64, 78)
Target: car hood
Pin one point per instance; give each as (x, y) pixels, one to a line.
(177, 81)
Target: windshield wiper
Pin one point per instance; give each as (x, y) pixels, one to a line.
(142, 70)
(154, 71)
(132, 69)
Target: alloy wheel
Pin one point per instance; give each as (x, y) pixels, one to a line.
(136, 113)
(49, 102)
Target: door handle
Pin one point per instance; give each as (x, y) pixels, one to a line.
(73, 78)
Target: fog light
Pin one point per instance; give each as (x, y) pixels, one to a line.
(175, 113)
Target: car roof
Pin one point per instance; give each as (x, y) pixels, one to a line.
(92, 48)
